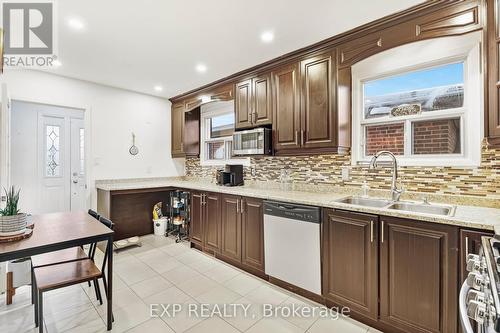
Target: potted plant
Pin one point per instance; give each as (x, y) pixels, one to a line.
(11, 221)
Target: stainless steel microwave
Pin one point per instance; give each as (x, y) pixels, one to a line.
(252, 142)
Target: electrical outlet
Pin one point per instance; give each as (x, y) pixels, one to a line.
(346, 173)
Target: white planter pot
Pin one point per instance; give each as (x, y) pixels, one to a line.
(13, 225)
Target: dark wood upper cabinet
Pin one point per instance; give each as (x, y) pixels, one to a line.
(317, 102)
(262, 110)
(252, 253)
(196, 222)
(243, 104)
(286, 108)
(212, 221)
(231, 227)
(191, 133)
(350, 261)
(253, 102)
(418, 276)
(304, 108)
(177, 137)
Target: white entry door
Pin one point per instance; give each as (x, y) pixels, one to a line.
(53, 141)
(77, 165)
(61, 163)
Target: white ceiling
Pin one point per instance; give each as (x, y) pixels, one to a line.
(137, 45)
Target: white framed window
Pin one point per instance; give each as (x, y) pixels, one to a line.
(217, 127)
(422, 101)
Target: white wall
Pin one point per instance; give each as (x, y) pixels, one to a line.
(110, 118)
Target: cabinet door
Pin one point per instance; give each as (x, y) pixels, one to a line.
(350, 261)
(418, 275)
(252, 233)
(177, 130)
(261, 111)
(243, 104)
(196, 222)
(211, 221)
(286, 109)
(191, 146)
(231, 227)
(470, 241)
(317, 102)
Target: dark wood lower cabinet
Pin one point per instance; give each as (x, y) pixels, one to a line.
(394, 274)
(350, 261)
(196, 223)
(231, 227)
(205, 224)
(252, 252)
(212, 221)
(418, 276)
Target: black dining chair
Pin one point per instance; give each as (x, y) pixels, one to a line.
(66, 274)
(62, 256)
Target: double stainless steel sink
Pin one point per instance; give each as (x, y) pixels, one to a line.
(406, 206)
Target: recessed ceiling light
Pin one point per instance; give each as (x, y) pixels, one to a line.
(267, 36)
(76, 24)
(56, 63)
(158, 88)
(201, 68)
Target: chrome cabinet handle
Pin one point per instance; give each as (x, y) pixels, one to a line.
(302, 133)
(242, 210)
(371, 231)
(382, 233)
(237, 205)
(466, 247)
(297, 137)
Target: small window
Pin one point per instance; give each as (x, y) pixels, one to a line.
(222, 125)
(421, 101)
(433, 137)
(217, 128)
(398, 106)
(385, 137)
(431, 89)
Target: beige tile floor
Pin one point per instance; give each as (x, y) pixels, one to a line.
(163, 272)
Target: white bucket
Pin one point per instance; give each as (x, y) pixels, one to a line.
(160, 226)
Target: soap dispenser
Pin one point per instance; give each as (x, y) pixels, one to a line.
(365, 189)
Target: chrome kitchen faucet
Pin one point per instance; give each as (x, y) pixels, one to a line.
(396, 193)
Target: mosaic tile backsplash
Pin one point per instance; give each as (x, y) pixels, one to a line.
(483, 181)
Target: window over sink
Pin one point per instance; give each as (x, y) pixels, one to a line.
(217, 127)
(421, 101)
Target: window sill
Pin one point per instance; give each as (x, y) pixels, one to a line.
(438, 162)
(243, 161)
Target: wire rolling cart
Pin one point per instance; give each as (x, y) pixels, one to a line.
(179, 215)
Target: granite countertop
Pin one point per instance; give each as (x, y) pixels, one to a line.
(464, 215)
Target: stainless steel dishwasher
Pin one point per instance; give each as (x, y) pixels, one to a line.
(292, 244)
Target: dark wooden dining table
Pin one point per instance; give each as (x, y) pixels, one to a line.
(57, 231)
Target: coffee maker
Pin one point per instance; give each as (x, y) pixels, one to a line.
(232, 175)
